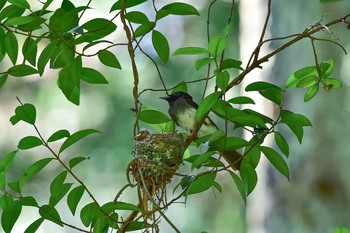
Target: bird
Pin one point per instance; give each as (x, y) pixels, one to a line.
(182, 110)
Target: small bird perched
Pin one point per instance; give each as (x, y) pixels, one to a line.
(182, 109)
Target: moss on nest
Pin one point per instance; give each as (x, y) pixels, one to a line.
(157, 156)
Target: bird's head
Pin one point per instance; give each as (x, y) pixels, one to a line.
(176, 96)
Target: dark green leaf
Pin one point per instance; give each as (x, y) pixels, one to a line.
(239, 185)
(252, 154)
(15, 186)
(76, 137)
(134, 226)
(190, 51)
(311, 92)
(75, 161)
(22, 70)
(130, 3)
(126, 206)
(201, 183)
(261, 86)
(210, 162)
(28, 201)
(5, 200)
(29, 142)
(11, 11)
(227, 144)
(281, 143)
(10, 215)
(206, 105)
(161, 45)
(34, 226)
(231, 63)
(137, 17)
(276, 160)
(248, 175)
(46, 5)
(20, 3)
(34, 169)
(177, 8)
(29, 50)
(241, 100)
(74, 197)
(222, 79)
(92, 76)
(45, 56)
(51, 214)
(58, 188)
(89, 214)
(203, 62)
(109, 59)
(291, 118)
(2, 181)
(217, 45)
(11, 46)
(143, 29)
(202, 159)
(273, 94)
(3, 79)
(6, 161)
(97, 24)
(69, 81)
(300, 75)
(2, 3)
(58, 135)
(153, 116)
(97, 28)
(20, 20)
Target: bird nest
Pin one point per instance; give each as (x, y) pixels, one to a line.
(157, 156)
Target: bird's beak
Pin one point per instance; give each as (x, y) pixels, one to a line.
(164, 97)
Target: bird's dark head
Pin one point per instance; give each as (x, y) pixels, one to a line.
(176, 96)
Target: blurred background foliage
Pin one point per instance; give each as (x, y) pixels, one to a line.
(315, 200)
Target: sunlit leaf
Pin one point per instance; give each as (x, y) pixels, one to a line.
(203, 62)
(217, 45)
(300, 75)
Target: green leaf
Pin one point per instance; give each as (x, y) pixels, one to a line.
(6, 161)
(69, 81)
(126, 206)
(273, 94)
(137, 17)
(239, 185)
(29, 50)
(72, 139)
(109, 59)
(222, 79)
(34, 169)
(227, 144)
(282, 144)
(92, 76)
(29, 142)
(26, 113)
(50, 213)
(10, 215)
(5, 200)
(326, 68)
(19, 20)
(248, 176)
(74, 161)
(11, 46)
(15, 186)
(58, 188)
(130, 3)
(134, 226)
(22, 70)
(97, 28)
(307, 82)
(190, 51)
(28, 201)
(74, 197)
(217, 45)
(241, 100)
(58, 135)
(276, 160)
(261, 86)
(210, 162)
(295, 122)
(45, 56)
(331, 83)
(203, 62)
(161, 45)
(206, 105)
(231, 63)
(202, 159)
(340, 229)
(311, 92)
(177, 8)
(143, 29)
(182, 86)
(3, 79)
(34, 226)
(153, 116)
(301, 74)
(20, 3)
(201, 183)
(89, 214)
